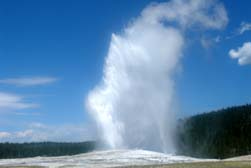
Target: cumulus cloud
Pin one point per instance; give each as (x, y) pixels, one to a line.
(243, 54)
(33, 81)
(37, 132)
(24, 134)
(4, 135)
(134, 103)
(13, 101)
(19, 136)
(244, 27)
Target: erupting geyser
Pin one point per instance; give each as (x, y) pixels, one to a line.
(133, 104)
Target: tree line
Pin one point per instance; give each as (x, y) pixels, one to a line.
(217, 134)
(22, 150)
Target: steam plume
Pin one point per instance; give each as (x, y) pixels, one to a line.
(133, 104)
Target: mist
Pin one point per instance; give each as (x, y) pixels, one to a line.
(134, 103)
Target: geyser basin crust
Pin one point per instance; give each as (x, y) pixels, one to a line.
(103, 159)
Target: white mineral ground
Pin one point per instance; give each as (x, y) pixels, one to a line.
(103, 159)
(110, 158)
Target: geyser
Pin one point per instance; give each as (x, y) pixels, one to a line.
(133, 104)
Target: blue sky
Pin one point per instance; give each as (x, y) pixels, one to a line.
(52, 54)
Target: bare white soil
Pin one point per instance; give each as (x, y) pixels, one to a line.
(240, 158)
(103, 159)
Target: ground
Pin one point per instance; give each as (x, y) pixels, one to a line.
(125, 159)
(220, 164)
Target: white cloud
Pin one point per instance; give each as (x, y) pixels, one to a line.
(243, 54)
(12, 101)
(244, 27)
(24, 134)
(33, 81)
(4, 135)
(37, 132)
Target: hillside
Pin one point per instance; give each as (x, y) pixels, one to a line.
(217, 134)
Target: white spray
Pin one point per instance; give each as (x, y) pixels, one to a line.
(133, 105)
